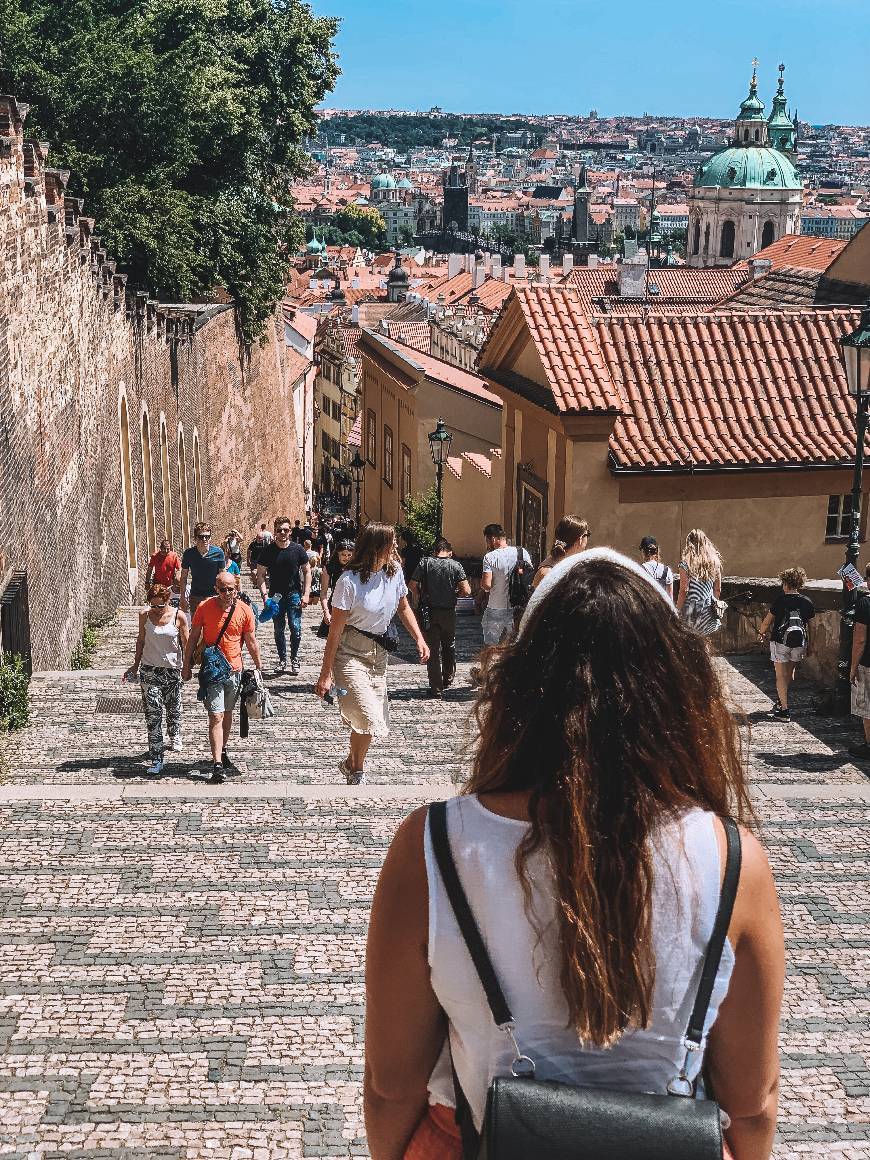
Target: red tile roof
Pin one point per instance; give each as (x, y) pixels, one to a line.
(354, 438)
(414, 334)
(803, 251)
(730, 390)
(683, 282)
(295, 365)
(437, 370)
(714, 391)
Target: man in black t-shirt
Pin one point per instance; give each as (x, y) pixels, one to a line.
(859, 669)
(437, 581)
(289, 571)
(789, 621)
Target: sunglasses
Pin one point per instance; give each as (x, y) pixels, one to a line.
(160, 603)
(283, 531)
(226, 588)
(204, 536)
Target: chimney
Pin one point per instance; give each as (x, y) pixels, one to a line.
(355, 282)
(454, 265)
(354, 314)
(544, 265)
(758, 267)
(592, 261)
(479, 276)
(567, 263)
(632, 280)
(469, 263)
(496, 265)
(519, 266)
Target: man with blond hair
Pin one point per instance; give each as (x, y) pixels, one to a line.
(226, 621)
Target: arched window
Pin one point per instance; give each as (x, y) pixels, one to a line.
(148, 485)
(707, 238)
(127, 484)
(768, 235)
(197, 477)
(726, 242)
(757, 134)
(182, 489)
(696, 237)
(166, 481)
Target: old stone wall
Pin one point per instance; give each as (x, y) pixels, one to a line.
(119, 418)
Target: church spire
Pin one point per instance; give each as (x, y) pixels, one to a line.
(750, 126)
(780, 129)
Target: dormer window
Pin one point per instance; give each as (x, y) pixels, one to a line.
(731, 173)
(770, 176)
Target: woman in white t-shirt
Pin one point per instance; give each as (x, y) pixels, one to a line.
(366, 598)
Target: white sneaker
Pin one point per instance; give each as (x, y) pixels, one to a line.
(154, 768)
(280, 668)
(294, 668)
(176, 745)
(345, 770)
(358, 778)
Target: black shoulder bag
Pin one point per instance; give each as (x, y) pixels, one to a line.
(529, 1119)
(424, 612)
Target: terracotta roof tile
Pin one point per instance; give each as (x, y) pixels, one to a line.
(705, 390)
(802, 250)
(414, 334)
(434, 368)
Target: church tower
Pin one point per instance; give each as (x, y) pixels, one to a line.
(581, 228)
(749, 194)
(455, 199)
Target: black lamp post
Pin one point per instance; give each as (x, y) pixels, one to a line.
(357, 470)
(439, 445)
(856, 359)
(344, 483)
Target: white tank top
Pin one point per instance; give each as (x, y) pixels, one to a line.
(161, 649)
(686, 889)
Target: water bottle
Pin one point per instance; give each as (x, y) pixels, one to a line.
(335, 691)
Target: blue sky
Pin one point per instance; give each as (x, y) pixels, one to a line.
(682, 57)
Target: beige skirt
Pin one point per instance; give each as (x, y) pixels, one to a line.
(360, 666)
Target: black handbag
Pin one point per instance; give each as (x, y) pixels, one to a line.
(424, 612)
(527, 1119)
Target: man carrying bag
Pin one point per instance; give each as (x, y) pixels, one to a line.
(223, 622)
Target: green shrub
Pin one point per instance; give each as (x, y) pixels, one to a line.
(14, 679)
(421, 518)
(83, 653)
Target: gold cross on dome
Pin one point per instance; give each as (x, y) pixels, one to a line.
(754, 66)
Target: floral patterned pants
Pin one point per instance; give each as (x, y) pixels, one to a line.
(161, 691)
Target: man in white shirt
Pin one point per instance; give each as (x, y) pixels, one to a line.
(498, 563)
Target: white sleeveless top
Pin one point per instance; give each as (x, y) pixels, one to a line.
(161, 649)
(686, 889)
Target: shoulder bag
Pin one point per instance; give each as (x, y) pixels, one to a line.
(530, 1119)
(424, 613)
(215, 668)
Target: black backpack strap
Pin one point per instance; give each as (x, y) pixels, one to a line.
(227, 619)
(730, 881)
(464, 918)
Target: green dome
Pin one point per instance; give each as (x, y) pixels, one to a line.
(383, 181)
(314, 247)
(405, 184)
(748, 167)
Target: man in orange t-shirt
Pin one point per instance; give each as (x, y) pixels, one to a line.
(220, 699)
(164, 567)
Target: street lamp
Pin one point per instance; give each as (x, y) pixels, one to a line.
(439, 445)
(344, 491)
(856, 359)
(357, 470)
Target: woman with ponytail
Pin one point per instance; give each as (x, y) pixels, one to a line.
(572, 536)
(590, 844)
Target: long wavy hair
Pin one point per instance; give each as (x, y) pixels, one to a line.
(701, 556)
(606, 709)
(371, 544)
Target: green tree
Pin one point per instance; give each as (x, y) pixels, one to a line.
(421, 518)
(406, 236)
(181, 121)
(364, 220)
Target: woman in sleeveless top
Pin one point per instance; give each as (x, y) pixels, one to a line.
(572, 536)
(700, 583)
(160, 649)
(589, 843)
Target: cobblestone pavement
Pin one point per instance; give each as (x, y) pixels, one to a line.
(181, 965)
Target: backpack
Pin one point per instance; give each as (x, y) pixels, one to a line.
(794, 633)
(520, 582)
(661, 577)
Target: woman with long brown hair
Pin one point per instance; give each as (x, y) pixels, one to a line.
(572, 536)
(589, 843)
(366, 598)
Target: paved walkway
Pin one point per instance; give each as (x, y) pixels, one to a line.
(181, 965)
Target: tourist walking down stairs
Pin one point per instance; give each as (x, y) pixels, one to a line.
(590, 843)
(367, 595)
(160, 647)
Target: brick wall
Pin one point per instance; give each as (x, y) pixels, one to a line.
(77, 353)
